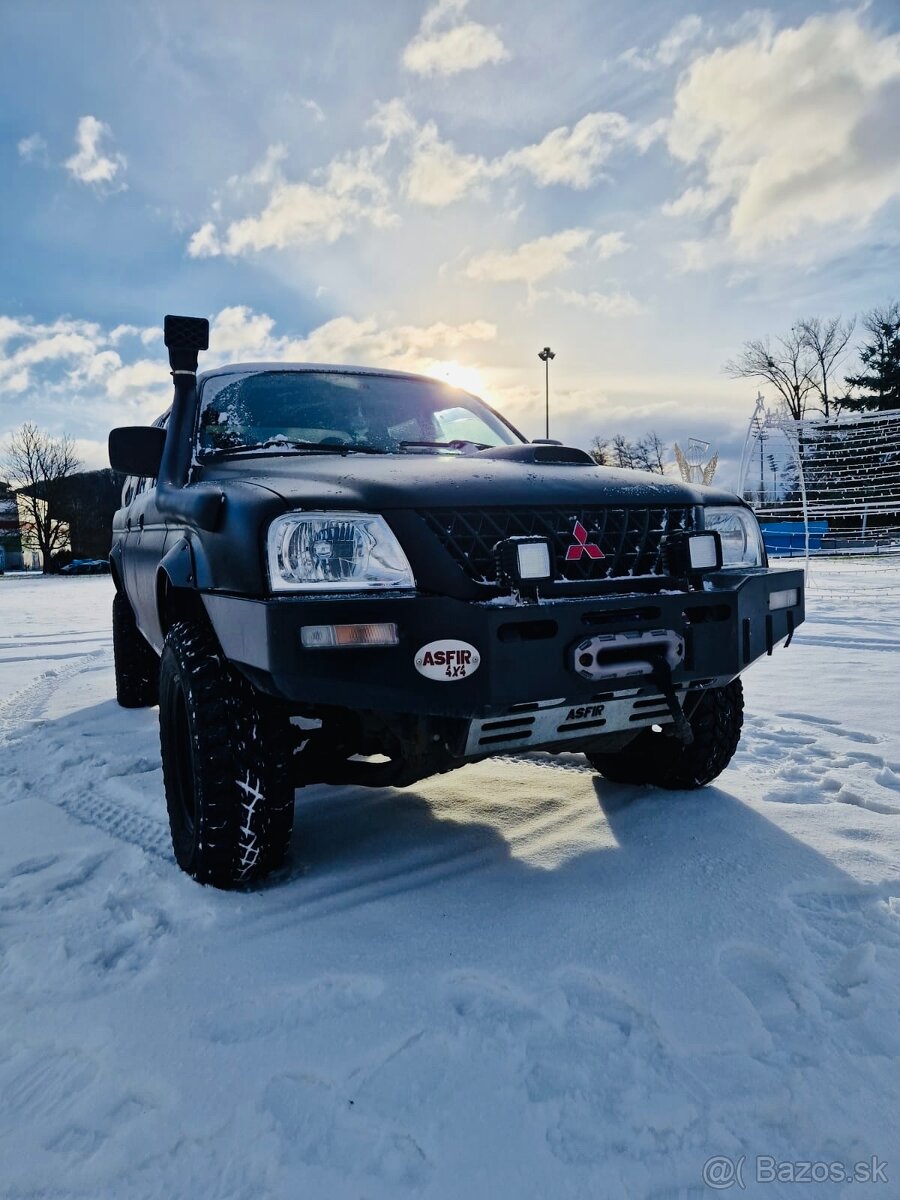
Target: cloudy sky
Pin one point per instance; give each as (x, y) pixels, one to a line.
(444, 187)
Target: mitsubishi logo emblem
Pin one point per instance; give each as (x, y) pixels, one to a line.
(582, 545)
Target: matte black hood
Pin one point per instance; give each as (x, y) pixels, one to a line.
(377, 483)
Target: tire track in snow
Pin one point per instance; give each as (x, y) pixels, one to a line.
(27, 704)
(107, 815)
(92, 797)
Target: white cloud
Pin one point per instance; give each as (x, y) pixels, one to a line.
(646, 136)
(695, 201)
(314, 108)
(795, 130)
(606, 304)
(302, 212)
(350, 191)
(57, 346)
(670, 49)
(460, 46)
(544, 256)
(146, 335)
(609, 244)
(681, 35)
(204, 242)
(102, 365)
(137, 379)
(405, 346)
(393, 120)
(240, 333)
(33, 148)
(264, 173)
(91, 164)
(10, 327)
(441, 11)
(569, 156)
(237, 332)
(29, 347)
(437, 173)
(360, 187)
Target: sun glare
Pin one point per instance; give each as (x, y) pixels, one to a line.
(457, 375)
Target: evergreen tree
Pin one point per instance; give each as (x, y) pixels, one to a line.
(876, 387)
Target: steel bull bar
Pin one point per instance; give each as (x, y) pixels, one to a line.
(526, 652)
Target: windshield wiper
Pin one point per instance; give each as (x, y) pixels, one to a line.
(461, 444)
(286, 446)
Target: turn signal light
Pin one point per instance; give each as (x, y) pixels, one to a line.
(321, 637)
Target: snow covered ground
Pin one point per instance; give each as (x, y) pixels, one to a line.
(513, 981)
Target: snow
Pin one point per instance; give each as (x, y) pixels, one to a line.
(513, 980)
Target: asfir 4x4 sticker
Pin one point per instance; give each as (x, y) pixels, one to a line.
(447, 660)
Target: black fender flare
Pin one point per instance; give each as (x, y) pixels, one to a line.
(177, 564)
(178, 584)
(115, 566)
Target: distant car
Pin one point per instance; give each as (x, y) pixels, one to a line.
(86, 566)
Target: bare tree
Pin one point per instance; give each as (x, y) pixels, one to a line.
(38, 466)
(646, 454)
(826, 343)
(788, 365)
(622, 452)
(600, 453)
(650, 453)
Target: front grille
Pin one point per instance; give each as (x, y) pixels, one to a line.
(629, 538)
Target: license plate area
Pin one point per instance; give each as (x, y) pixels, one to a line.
(629, 655)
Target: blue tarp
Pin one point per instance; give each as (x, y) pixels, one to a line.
(781, 537)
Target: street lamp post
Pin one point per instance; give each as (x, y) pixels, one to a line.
(545, 355)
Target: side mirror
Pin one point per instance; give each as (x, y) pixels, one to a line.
(137, 450)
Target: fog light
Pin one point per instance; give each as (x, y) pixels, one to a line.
(319, 637)
(786, 599)
(533, 560)
(703, 550)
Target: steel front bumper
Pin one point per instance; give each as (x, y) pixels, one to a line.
(527, 652)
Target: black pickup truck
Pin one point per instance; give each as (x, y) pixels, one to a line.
(345, 575)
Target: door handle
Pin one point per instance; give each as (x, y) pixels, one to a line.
(128, 523)
(141, 521)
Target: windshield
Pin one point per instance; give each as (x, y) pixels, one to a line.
(311, 409)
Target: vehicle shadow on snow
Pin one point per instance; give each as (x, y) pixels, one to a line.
(603, 852)
(533, 827)
(548, 836)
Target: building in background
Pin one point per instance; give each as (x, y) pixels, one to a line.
(83, 504)
(10, 532)
(87, 501)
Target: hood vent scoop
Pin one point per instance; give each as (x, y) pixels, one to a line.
(530, 453)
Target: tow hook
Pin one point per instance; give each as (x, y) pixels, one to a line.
(652, 654)
(662, 677)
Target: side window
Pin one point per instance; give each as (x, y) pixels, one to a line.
(129, 490)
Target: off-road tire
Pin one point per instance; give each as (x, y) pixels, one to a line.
(226, 755)
(136, 663)
(715, 717)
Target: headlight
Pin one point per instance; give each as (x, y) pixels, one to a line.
(334, 551)
(742, 544)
